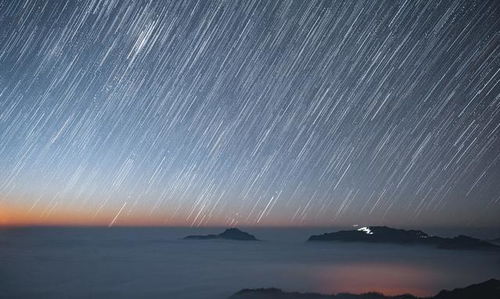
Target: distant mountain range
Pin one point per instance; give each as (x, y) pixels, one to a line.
(487, 290)
(371, 234)
(228, 234)
(384, 234)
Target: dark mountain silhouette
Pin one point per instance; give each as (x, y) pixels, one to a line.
(464, 242)
(489, 289)
(497, 240)
(383, 234)
(486, 290)
(229, 234)
(273, 293)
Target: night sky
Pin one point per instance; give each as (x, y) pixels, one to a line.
(288, 113)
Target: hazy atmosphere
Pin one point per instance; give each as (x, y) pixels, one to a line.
(242, 149)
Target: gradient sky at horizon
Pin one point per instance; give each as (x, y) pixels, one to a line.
(250, 112)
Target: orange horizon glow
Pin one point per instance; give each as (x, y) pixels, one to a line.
(18, 215)
(22, 212)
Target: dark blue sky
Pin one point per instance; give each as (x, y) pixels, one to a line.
(252, 112)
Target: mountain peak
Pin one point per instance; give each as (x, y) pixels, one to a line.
(229, 234)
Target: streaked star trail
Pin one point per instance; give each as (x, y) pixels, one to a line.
(250, 112)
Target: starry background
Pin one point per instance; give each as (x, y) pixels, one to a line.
(250, 112)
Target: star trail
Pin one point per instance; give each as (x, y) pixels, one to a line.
(250, 112)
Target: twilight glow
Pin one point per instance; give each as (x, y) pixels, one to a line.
(250, 113)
